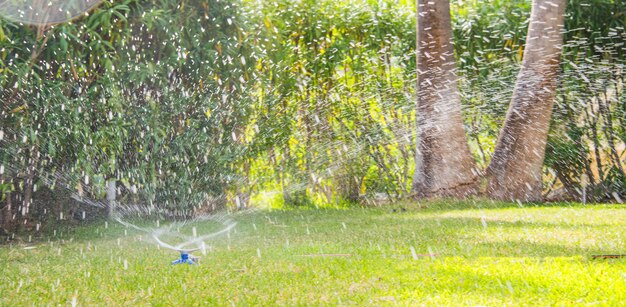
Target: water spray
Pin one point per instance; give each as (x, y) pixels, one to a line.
(191, 243)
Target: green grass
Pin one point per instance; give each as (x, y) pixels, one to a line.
(484, 254)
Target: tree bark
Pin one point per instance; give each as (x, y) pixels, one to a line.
(515, 171)
(29, 182)
(8, 222)
(444, 166)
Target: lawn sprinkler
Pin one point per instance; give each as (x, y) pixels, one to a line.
(185, 253)
(186, 257)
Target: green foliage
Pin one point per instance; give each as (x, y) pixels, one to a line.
(152, 94)
(335, 99)
(196, 102)
(489, 41)
(588, 117)
(589, 111)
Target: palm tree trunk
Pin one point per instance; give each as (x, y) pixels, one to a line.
(444, 165)
(515, 171)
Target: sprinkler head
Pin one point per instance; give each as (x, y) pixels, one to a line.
(185, 257)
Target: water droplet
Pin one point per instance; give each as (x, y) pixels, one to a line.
(413, 253)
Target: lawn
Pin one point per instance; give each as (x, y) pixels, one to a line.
(437, 253)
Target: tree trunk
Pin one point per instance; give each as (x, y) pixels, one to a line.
(444, 165)
(515, 171)
(7, 215)
(28, 192)
(570, 186)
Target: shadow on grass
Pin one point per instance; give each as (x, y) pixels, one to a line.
(481, 203)
(470, 237)
(520, 238)
(526, 249)
(416, 226)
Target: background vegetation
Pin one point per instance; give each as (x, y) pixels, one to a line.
(190, 105)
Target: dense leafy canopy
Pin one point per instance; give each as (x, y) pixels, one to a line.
(195, 103)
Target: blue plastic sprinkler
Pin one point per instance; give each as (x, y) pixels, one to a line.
(186, 257)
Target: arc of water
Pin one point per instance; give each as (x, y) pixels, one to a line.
(208, 236)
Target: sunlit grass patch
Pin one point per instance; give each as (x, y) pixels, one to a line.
(431, 254)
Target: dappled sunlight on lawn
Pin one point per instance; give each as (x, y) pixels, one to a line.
(496, 256)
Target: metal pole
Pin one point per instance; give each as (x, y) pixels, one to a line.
(111, 194)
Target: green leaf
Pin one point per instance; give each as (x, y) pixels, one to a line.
(63, 43)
